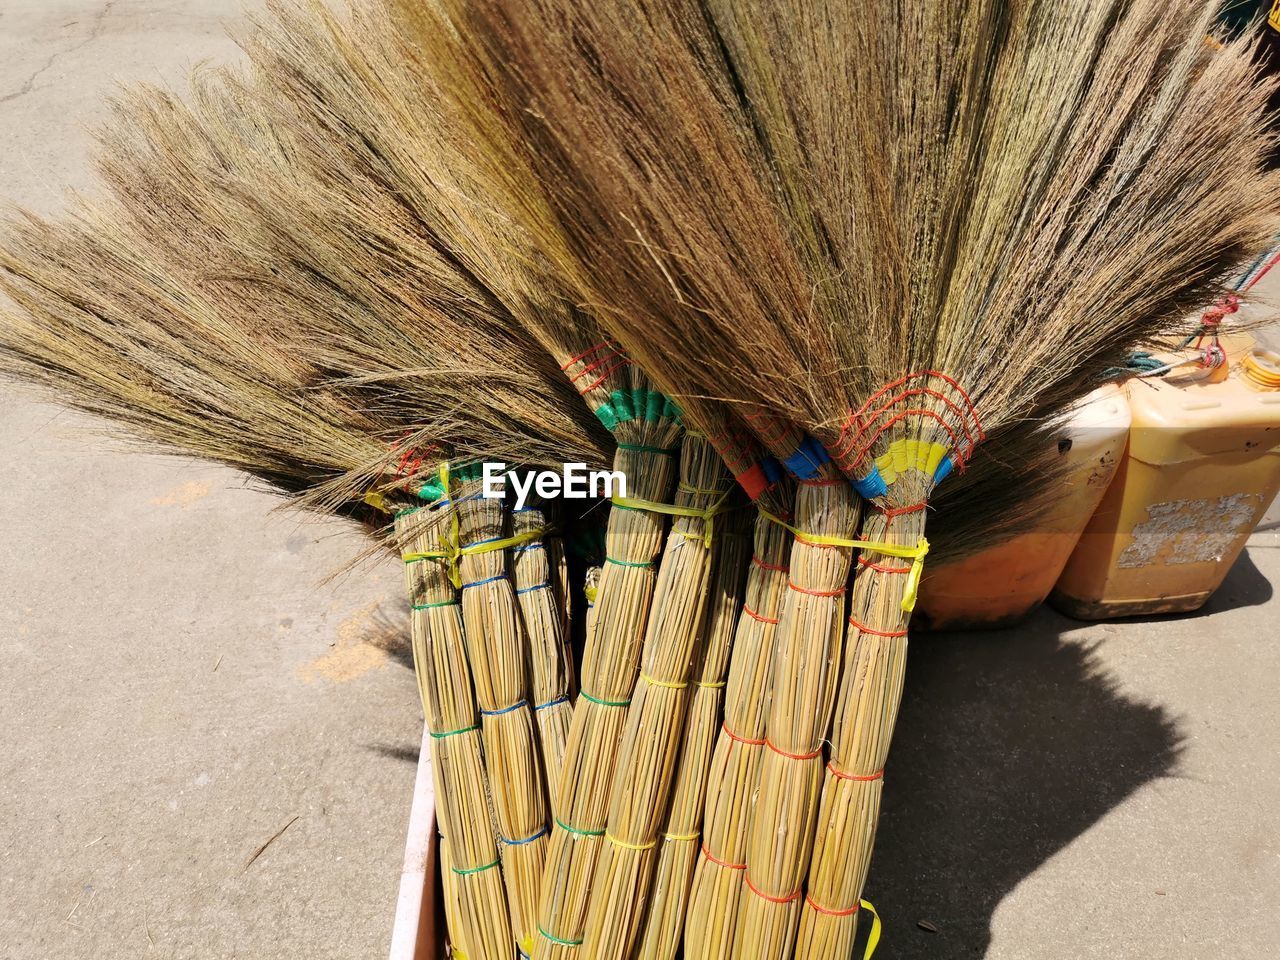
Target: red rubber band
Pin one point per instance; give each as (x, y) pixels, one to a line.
(816, 593)
(769, 566)
(596, 365)
(864, 423)
(926, 373)
(841, 775)
(863, 628)
(891, 512)
(955, 443)
(755, 616)
(831, 913)
(792, 756)
(721, 863)
(764, 896)
(604, 376)
(588, 352)
(724, 725)
(872, 565)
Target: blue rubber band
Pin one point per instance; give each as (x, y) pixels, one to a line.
(944, 469)
(520, 843)
(480, 583)
(497, 713)
(529, 546)
(478, 543)
(772, 469)
(872, 485)
(536, 586)
(552, 703)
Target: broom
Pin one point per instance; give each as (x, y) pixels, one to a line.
(912, 233)
(646, 755)
(140, 347)
(593, 91)
(678, 849)
(497, 660)
(1136, 158)
(380, 456)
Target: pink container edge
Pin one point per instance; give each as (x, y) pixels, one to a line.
(417, 933)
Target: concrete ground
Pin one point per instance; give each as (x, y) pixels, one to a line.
(179, 681)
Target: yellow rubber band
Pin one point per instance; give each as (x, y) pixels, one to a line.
(915, 554)
(630, 846)
(681, 837)
(711, 684)
(452, 552)
(669, 684)
(670, 509)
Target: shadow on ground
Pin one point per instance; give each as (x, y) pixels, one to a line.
(1010, 745)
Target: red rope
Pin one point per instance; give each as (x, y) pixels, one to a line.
(604, 376)
(863, 628)
(871, 565)
(588, 352)
(724, 725)
(769, 566)
(831, 913)
(764, 896)
(841, 775)
(792, 756)
(816, 593)
(722, 863)
(755, 616)
(891, 512)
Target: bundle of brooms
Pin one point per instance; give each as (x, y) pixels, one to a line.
(1061, 185)
(905, 228)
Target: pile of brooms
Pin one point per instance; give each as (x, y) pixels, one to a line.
(831, 250)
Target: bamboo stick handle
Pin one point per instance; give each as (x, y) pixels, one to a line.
(610, 663)
(810, 637)
(717, 878)
(678, 846)
(871, 691)
(536, 571)
(499, 655)
(647, 754)
(481, 921)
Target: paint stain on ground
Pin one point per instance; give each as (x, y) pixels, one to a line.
(365, 641)
(182, 496)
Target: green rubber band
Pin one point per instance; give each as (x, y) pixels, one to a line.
(582, 833)
(407, 511)
(471, 870)
(559, 940)
(641, 448)
(604, 703)
(453, 733)
(629, 563)
(438, 603)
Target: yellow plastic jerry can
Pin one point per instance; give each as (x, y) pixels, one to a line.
(1202, 467)
(1001, 585)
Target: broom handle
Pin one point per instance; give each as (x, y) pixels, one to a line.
(871, 691)
(499, 655)
(610, 663)
(480, 923)
(536, 574)
(809, 640)
(717, 877)
(655, 718)
(664, 922)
